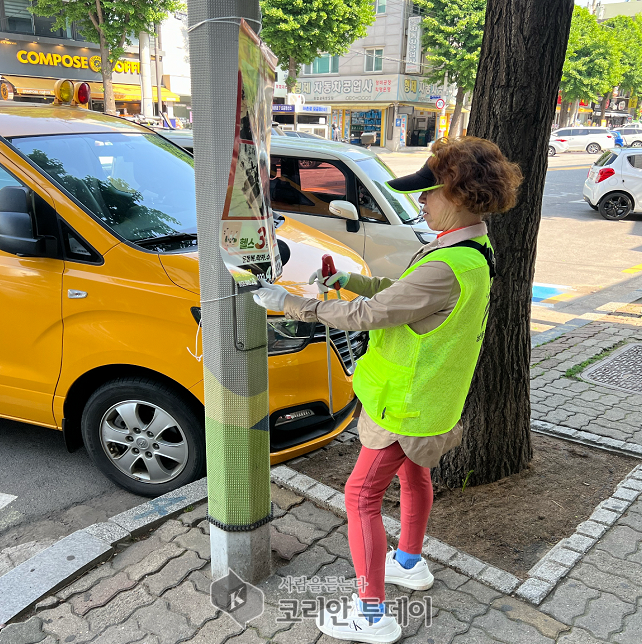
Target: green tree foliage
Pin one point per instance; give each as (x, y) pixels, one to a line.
(110, 23)
(452, 37)
(593, 59)
(298, 31)
(628, 33)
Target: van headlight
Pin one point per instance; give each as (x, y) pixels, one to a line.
(287, 336)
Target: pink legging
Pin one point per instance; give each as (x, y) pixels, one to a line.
(364, 492)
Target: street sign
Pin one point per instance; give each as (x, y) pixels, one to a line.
(440, 103)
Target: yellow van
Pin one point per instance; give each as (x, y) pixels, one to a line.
(99, 302)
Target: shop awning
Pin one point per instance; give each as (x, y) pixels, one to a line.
(131, 93)
(26, 85)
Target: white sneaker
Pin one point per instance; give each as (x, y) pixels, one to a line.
(356, 628)
(418, 577)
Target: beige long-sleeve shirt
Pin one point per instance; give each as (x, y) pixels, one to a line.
(423, 300)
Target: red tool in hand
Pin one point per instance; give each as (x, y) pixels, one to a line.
(328, 269)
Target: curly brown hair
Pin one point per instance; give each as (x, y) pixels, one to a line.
(475, 174)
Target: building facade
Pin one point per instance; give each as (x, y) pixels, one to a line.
(379, 85)
(33, 58)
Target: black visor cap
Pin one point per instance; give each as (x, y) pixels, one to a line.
(420, 181)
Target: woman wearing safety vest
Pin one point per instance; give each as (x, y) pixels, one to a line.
(426, 331)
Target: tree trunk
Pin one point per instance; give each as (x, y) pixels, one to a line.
(603, 108)
(290, 81)
(106, 72)
(455, 121)
(513, 107)
(575, 110)
(564, 113)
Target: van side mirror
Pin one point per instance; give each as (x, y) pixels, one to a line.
(344, 209)
(16, 227)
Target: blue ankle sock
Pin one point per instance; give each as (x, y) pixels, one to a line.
(405, 559)
(371, 611)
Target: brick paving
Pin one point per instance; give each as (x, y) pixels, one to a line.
(155, 590)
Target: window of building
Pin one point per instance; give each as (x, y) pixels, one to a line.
(379, 6)
(374, 60)
(324, 64)
(15, 17)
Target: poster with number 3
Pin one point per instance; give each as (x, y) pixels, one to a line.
(247, 238)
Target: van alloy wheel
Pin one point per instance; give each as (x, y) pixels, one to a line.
(145, 435)
(636, 144)
(143, 441)
(593, 148)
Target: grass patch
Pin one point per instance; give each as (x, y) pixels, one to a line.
(573, 371)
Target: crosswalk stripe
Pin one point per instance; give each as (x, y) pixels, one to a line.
(5, 499)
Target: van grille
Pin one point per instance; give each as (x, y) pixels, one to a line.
(358, 340)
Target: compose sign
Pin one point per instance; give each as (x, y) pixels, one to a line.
(78, 62)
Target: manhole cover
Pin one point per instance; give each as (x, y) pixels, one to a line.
(622, 370)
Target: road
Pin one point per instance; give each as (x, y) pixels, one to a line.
(46, 493)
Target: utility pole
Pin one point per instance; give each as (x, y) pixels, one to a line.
(147, 101)
(234, 328)
(159, 98)
(442, 114)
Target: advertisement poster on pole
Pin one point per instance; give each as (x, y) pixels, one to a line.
(248, 238)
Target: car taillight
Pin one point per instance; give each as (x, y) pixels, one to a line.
(608, 136)
(604, 173)
(561, 140)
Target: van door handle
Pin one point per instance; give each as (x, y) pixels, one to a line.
(73, 294)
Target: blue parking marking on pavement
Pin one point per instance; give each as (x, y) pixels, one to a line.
(543, 292)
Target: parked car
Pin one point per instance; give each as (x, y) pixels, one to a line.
(100, 298)
(340, 190)
(302, 135)
(614, 184)
(591, 139)
(619, 141)
(632, 135)
(556, 147)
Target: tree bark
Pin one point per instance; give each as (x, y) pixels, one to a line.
(564, 113)
(455, 121)
(106, 72)
(603, 108)
(290, 81)
(513, 107)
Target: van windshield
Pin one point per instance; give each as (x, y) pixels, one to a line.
(140, 185)
(405, 206)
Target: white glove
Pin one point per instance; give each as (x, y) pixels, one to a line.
(325, 282)
(270, 296)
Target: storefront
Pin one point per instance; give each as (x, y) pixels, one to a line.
(400, 109)
(313, 119)
(29, 70)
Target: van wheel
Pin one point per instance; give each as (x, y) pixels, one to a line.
(616, 206)
(593, 148)
(144, 436)
(636, 144)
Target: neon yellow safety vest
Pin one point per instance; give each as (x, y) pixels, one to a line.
(416, 385)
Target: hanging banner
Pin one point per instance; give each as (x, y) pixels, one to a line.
(248, 239)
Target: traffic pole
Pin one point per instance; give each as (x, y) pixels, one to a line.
(443, 123)
(234, 327)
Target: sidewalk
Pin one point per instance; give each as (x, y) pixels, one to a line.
(587, 590)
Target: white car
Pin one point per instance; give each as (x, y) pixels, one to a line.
(591, 139)
(614, 184)
(556, 147)
(632, 135)
(341, 190)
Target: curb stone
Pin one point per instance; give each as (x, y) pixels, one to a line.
(586, 438)
(67, 559)
(568, 552)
